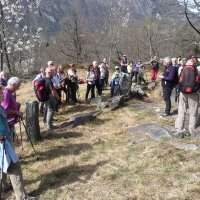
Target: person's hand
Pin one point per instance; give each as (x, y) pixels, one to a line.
(160, 76)
(20, 114)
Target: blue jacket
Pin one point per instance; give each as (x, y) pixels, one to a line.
(168, 76)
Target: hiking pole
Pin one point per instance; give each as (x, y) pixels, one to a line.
(20, 131)
(27, 134)
(2, 165)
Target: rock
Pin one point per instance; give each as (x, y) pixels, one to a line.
(115, 102)
(96, 100)
(139, 90)
(83, 118)
(68, 125)
(150, 130)
(102, 105)
(32, 121)
(151, 85)
(183, 146)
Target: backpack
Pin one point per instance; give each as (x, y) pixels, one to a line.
(40, 90)
(189, 80)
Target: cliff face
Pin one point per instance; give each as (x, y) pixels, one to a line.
(96, 12)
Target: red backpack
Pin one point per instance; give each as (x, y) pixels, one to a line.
(189, 79)
(40, 90)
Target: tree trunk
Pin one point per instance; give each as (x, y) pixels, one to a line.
(32, 121)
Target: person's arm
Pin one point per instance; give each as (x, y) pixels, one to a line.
(55, 94)
(170, 76)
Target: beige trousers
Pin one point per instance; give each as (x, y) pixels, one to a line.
(190, 102)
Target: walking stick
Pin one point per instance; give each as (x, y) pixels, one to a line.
(2, 165)
(27, 134)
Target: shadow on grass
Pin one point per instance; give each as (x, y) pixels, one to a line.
(64, 176)
(62, 133)
(58, 151)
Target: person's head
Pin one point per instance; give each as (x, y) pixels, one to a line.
(42, 71)
(104, 60)
(60, 68)
(139, 62)
(1, 95)
(4, 75)
(13, 84)
(124, 57)
(191, 57)
(49, 72)
(50, 63)
(95, 63)
(90, 68)
(174, 61)
(117, 68)
(71, 65)
(167, 61)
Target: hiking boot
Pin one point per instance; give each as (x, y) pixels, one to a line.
(179, 134)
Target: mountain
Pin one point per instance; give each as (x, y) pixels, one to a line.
(97, 12)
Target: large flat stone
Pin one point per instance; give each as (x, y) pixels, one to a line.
(151, 130)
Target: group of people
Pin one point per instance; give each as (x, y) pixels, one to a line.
(184, 77)
(57, 82)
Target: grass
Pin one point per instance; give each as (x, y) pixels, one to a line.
(93, 161)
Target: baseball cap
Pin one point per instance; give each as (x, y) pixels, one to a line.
(116, 67)
(124, 55)
(50, 62)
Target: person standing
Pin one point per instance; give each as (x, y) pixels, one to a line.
(155, 68)
(51, 102)
(189, 95)
(167, 83)
(102, 69)
(10, 103)
(97, 74)
(107, 71)
(73, 83)
(124, 64)
(90, 79)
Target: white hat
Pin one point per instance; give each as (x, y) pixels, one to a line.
(50, 63)
(116, 67)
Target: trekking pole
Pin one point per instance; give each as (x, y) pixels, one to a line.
(2, 165)
(20, 131)
(27, 134)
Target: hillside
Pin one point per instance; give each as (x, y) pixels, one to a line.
(96, 13)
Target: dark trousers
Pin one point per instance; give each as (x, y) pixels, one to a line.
(98, 87)
(124, 69)
(136, 76)
(167, 94)
(102, 84)
(72, 91)
(90, 87)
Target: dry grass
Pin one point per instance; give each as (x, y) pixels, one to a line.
(93, 161)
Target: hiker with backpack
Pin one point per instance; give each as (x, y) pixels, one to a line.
(90, 79)
(115, 82)
(141, 72)
(37, 82)
(51, 100)
(189, 96)
(167, 83)
(9, 161)
(155, 68)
